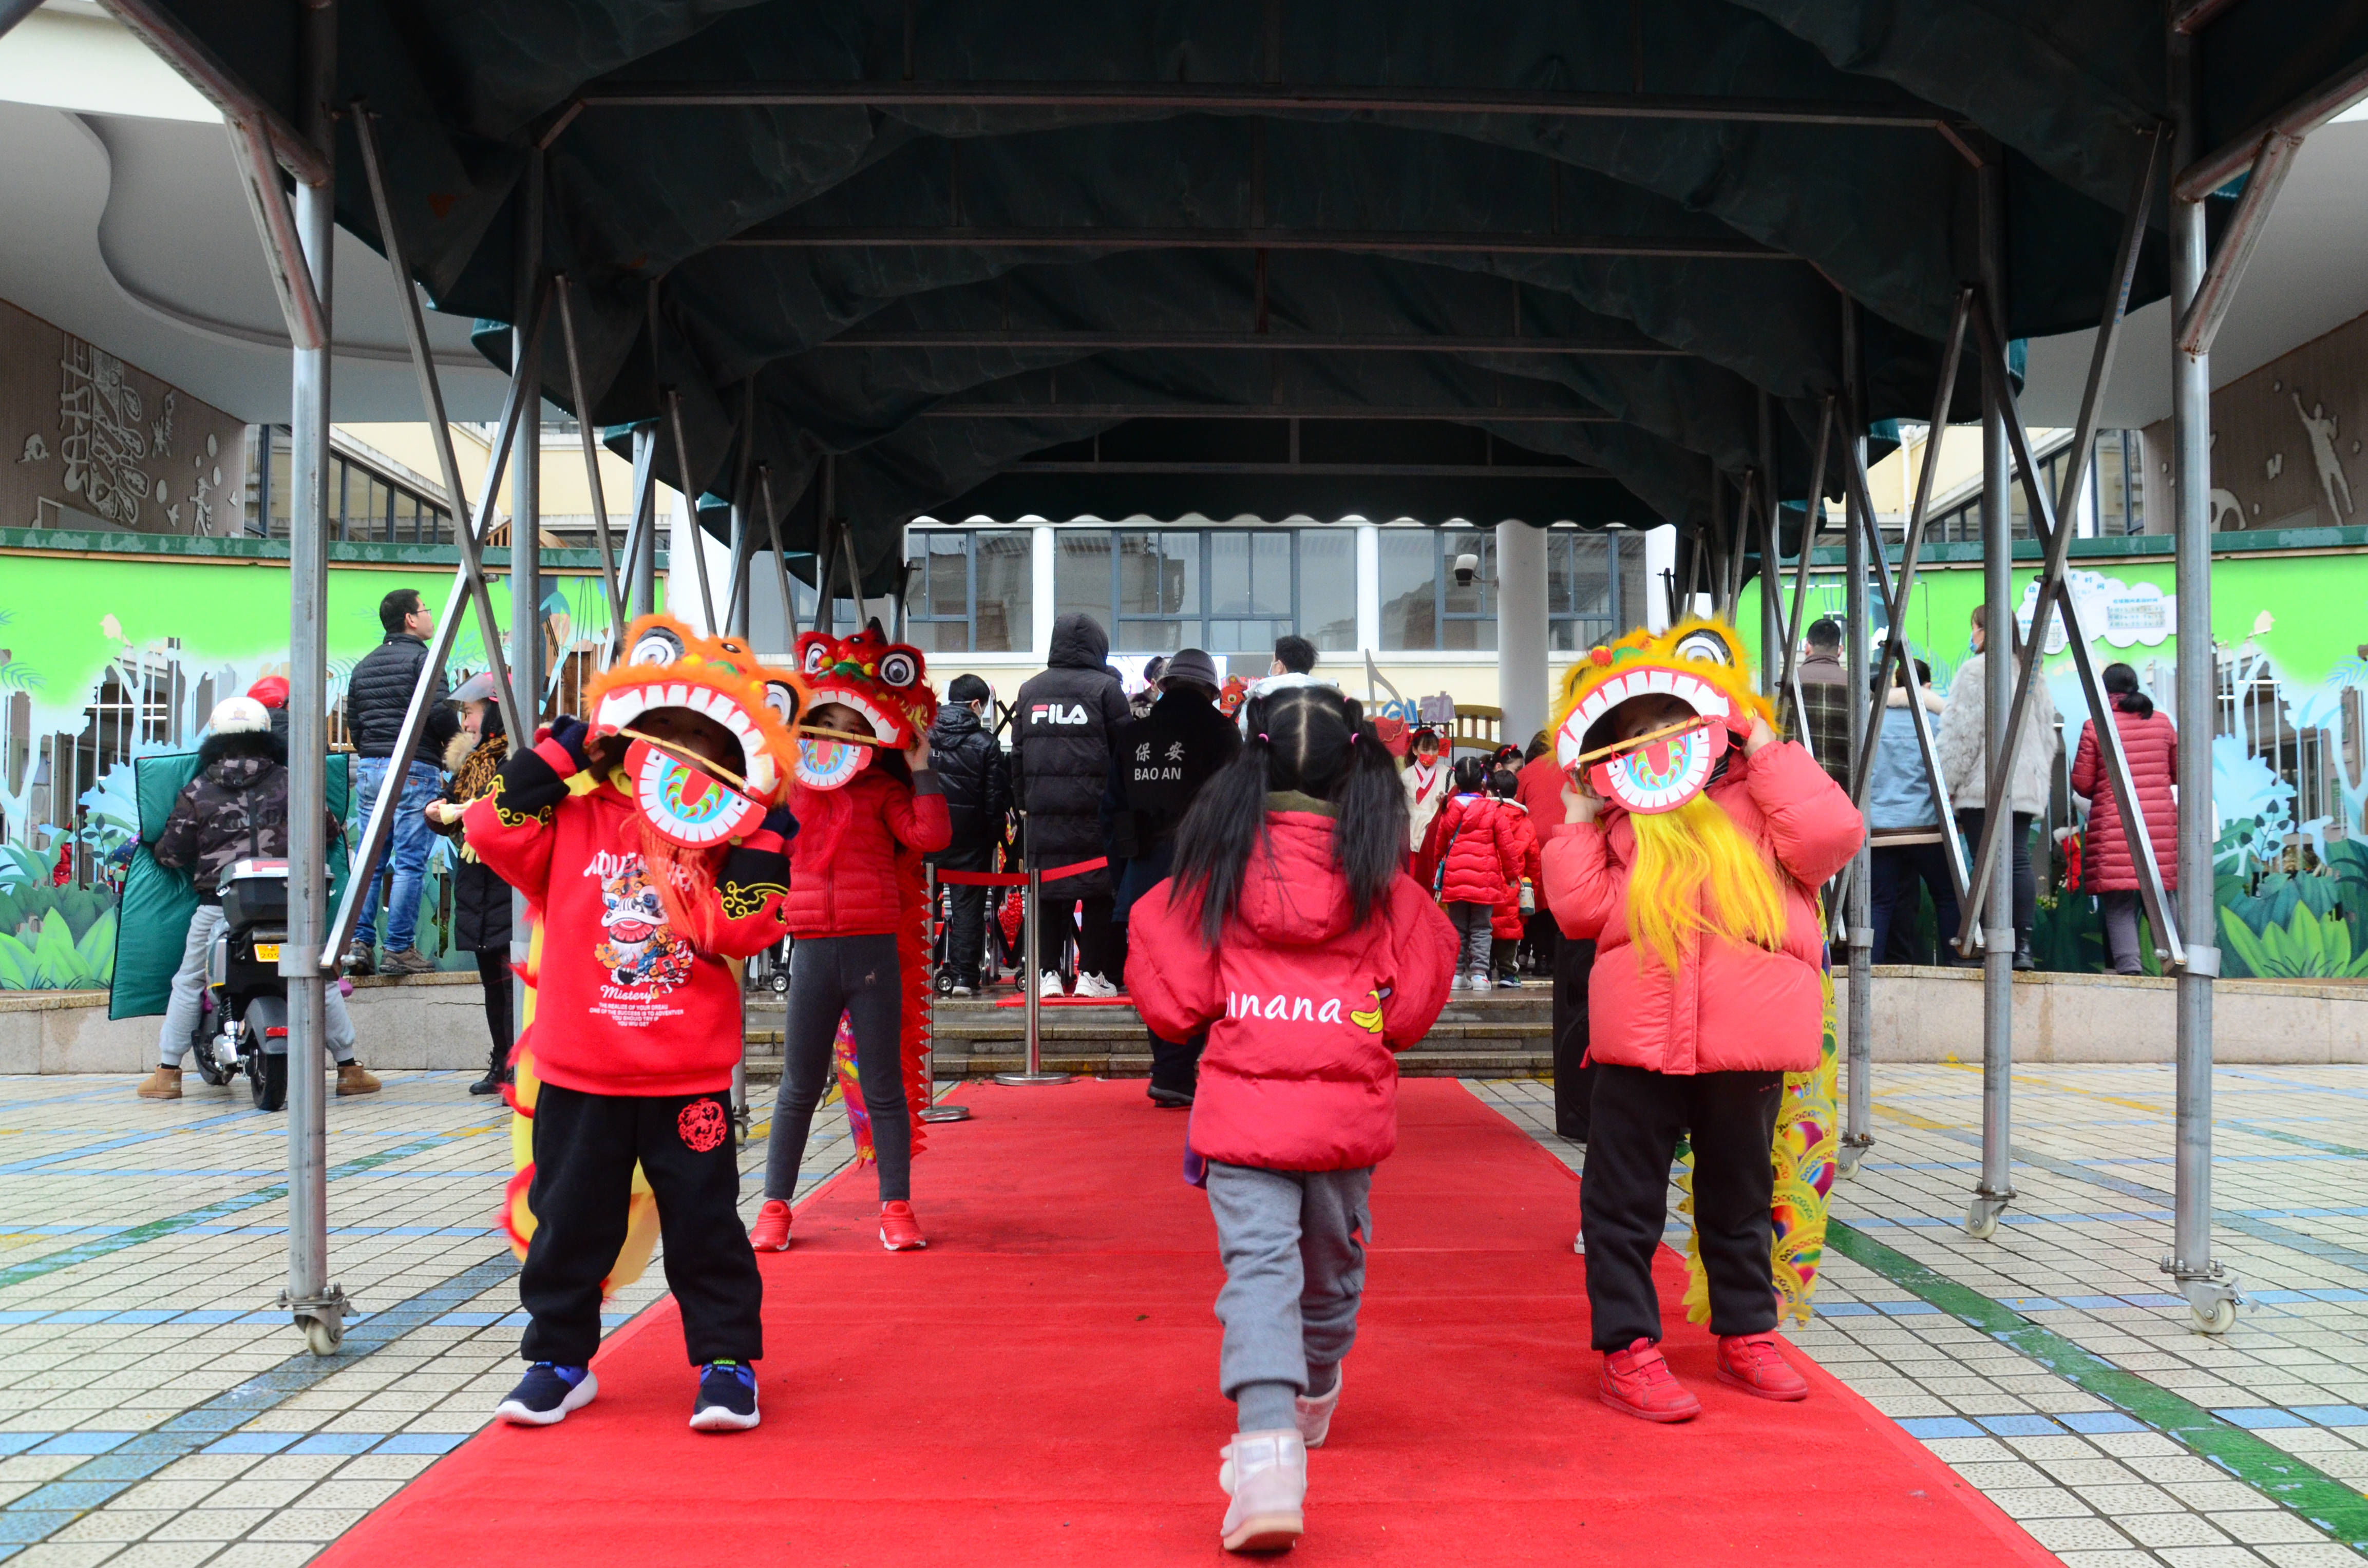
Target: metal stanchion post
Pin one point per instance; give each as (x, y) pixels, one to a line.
(1033, 1071)
(934, 1111)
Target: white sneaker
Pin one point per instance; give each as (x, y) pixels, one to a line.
(1315, 1415)
(1265, 1474)
(1051, 985)
(959, 989)
(1461, 982)
(1095, 985)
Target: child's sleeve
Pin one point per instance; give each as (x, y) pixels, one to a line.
(1434, 841)
(753, 886)
(1812, 826)
(1510, 855)
(1423, 945)
(510, 829)
(1170, 972)
(918, 816)
(1580, 879)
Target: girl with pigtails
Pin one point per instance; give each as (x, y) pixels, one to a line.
(1291, 933)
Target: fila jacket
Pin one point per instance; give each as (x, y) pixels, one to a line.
(1061, 737)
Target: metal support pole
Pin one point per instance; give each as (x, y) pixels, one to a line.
(1032, 1070)
(642, 566)
(317, 1305)
(1773, 629)
(690, 508)
(781, 563)
(610, 595)
(1858, 928)
(933, 1111)
(1997, 1187)
(2211, 1293)
(526, 524)
(1813, 518)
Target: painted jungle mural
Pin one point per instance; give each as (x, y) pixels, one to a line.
(107, 660)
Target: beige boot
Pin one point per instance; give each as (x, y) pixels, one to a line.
(353, 1078)
(1265, 1474)
(164, 1084)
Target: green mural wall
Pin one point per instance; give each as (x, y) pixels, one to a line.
(115, 646)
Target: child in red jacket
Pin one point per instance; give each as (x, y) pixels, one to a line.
(1697, 881)
(1293, 936)
(1506, 929)
(638, 1030)
(1471, 862)
(867, 821)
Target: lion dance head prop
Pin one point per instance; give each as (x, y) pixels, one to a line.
(1696, 671)
(885, 684)
(668, 667)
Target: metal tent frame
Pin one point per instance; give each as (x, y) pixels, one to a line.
(1760, 445)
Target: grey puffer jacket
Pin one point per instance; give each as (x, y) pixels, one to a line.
(1963, 727)
(1061, 740)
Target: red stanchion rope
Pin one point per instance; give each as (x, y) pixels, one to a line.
(1019, 879)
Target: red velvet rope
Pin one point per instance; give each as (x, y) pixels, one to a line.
(1019, 879)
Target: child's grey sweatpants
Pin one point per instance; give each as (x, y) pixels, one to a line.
(1294, 1244)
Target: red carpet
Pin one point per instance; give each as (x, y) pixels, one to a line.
(1040, 1387)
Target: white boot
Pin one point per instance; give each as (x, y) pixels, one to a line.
(1266, 1475)
(1315, 1415)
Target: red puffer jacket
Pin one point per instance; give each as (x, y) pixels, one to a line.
(1729, 1008)
(842, 863)
(1305, 1005)
(1505, 925)
(2152, 746)
(1479, 849)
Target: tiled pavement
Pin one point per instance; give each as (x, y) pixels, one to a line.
(153, 1412)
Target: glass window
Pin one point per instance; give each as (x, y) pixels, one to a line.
(1327, 588)
(1409, 574)
(1081, 573)
(1249, 589)
(1582, 591)
(937, 595)
(1004, 564)
(1158, 587)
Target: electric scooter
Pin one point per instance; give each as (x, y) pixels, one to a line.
(247, 1000)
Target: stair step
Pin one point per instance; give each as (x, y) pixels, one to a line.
(1418, 1063)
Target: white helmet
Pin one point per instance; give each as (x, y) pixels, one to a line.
(239, 716)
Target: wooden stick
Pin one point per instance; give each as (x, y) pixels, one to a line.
(1663, 733)
(683, 754)
(805, 730)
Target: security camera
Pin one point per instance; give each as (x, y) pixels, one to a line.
(1467, 567)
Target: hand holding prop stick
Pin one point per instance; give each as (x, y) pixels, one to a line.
(687, 756)
(1617, 748)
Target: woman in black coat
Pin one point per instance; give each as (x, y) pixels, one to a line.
(480, 900)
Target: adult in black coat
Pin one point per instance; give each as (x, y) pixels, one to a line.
(1060, 739)
(976, 776)
(480, 900)
(1163, 759)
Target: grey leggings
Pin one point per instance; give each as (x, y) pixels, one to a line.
(2121, 911)
(830, 975)
(1475, 936)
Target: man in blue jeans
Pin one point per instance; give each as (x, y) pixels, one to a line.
(377, 696)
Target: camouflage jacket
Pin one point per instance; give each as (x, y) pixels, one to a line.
(235, 807)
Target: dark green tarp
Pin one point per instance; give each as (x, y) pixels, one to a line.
(152, 925)
(658, 213)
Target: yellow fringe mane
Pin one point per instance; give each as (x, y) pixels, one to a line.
(1696, 875)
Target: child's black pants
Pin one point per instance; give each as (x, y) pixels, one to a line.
(585, 1149)
(1623, 1195)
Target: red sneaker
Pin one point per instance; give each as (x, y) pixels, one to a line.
(1753, 1363)
(899, 1230)
(772, 1231)
(1637, 1383)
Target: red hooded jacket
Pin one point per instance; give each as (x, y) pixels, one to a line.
(844, 859)
(1304, 1004)
(625, 1003)
(1506, 922)
(1480, 849)
(1730, 1007)
(2152, 746)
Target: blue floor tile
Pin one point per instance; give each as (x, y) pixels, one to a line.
(85, 1442)
(1906, 1309)
(422, 1443)
(251, 1443)
(17, 1442)
(337, 1443)
(2334, 1415)
(2260, 1417)
(1926, 1428)
(145, 1314)
(2092, 1421)
(1845, 1310)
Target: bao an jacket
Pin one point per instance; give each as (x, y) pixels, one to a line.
(2152, 746)
(1473, 853)
(1305, 1005)
(843, 862)
(624, 1003)
(1729, 1008)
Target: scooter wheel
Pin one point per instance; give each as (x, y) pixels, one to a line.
(267, 1075)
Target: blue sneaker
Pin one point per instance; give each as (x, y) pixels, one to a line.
(547, 1393)
(727, 1398)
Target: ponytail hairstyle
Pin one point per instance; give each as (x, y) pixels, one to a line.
(1311, 740)
(2120, 683)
